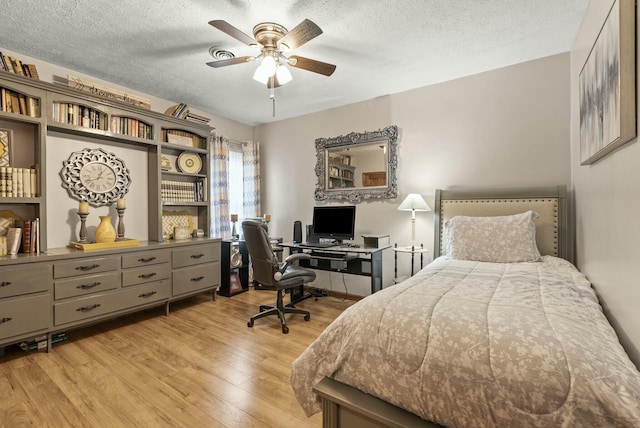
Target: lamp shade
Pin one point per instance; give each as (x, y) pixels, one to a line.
(414, 202)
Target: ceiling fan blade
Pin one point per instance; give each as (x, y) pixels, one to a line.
(225, 27)
(311, 65)
(300, 35)
(231, 61)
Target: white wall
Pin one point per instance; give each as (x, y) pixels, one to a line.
(504, 128)
(607, 204)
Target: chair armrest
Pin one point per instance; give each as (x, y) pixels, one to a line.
(288, 261)
(296, 256)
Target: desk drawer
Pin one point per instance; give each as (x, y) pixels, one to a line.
(103, 304)
(195, 254)
(89, 284)
(146, 258)
(25, 279)
(24, 315)
(85, 266)
(196, 278)
(145, 274)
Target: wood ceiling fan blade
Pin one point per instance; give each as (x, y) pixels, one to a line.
(231, 61)
(300, 35)
(311, 65)
(225, 27)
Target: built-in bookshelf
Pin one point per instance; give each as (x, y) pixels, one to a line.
(78, 113)
(48, 290)
(22, 189)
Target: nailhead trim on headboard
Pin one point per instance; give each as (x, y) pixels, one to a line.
(472, 203)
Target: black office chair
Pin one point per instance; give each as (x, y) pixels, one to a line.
(272, 274)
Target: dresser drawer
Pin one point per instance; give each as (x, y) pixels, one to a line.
(196, 278)
(85, 266)
(66, 288)
(25, 279)
(195, 254)
(146, 258)
(145, 274)
(86, 308)
(24, 315)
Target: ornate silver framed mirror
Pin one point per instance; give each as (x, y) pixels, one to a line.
(357, 166)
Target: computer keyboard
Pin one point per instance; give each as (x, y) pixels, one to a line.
(317, 244)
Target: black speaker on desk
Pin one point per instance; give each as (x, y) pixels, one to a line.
(310, 236)
(297, 231)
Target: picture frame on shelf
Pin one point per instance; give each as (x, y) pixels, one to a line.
(607, 86)
(6, 142)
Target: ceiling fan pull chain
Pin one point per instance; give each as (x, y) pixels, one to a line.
(273, 95)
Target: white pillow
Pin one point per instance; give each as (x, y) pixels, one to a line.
(501, 239)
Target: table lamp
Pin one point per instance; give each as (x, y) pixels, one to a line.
(413, 202)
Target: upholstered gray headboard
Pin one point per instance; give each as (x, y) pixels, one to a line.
(548, 202)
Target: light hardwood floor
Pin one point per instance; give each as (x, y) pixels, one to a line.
(201, 366)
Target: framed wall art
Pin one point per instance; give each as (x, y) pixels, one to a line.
(5, 147)
(607, 86)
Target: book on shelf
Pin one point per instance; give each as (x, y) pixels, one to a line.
(181, 111)
(31, 236)
(18, 182)
(14, 237)
(9, 63)
(3, 63)
(16, 66)
(33, 71)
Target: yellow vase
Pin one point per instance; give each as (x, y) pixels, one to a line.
(105, 231)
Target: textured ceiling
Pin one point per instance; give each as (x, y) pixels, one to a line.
(380, 47)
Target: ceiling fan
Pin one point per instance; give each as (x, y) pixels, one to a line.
(274, 41)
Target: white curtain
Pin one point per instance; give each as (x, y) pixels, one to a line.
(220, 222)
(251, 186)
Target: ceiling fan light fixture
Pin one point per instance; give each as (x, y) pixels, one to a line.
(260, 75)
(265, 70)
(269, 65)
(283, 74)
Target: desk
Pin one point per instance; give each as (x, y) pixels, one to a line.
(366, 261)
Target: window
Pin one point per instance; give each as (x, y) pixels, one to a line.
(236, 180)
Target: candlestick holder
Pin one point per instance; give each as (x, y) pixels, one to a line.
(82, 235)
(120, 235)
(234, 233)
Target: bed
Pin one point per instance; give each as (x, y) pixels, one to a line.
(494, 332)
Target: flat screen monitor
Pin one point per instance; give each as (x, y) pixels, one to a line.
(334, 222)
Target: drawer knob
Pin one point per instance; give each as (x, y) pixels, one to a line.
(197, 278)
(147, 275)
(88, 267)
(5, 283)
(88, 308)
(5, 319)
(146, 259)
(197, 256)
(149, 294)
(88, 286)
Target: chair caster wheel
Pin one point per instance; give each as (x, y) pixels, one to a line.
(307, 317)
(250, 324)
(285, 329)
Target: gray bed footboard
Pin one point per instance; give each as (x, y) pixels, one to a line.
(346, 407)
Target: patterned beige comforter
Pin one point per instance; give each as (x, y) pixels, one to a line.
(472, 344)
